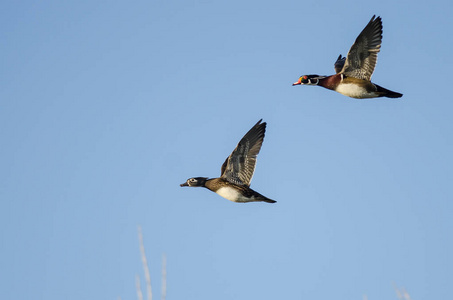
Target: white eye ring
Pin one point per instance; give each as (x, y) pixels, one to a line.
(192, 180)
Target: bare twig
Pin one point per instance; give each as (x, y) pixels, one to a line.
(401, 293)
(138, 287)
(145, 264)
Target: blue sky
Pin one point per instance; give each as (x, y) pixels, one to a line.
(105, 108)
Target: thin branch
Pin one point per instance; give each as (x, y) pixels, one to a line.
(164, 277)
(138, 287)
(401, 293)
(145, 264)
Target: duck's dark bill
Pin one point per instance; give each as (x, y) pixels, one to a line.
(184, 184)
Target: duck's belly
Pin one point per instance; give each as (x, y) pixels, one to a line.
(355, 91)
(232, 194)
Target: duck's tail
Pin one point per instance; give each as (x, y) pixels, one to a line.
(387, 93)
(268, 200)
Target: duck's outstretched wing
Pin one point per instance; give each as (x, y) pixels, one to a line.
(362, 56)
(239, 167)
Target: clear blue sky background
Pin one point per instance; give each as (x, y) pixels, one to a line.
(106, 107)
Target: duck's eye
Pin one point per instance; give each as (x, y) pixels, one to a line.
(192, 180)
(304, 79)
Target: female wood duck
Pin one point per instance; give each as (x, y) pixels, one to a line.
(237, 170)
(353, 73)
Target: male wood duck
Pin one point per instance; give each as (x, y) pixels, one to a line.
(353, 72)
(237, 170)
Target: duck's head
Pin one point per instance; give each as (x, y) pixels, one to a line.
(195, 181)
(308, 80)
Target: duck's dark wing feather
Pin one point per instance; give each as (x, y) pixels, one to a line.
(362, 56)
(238, 168)
(339, 64)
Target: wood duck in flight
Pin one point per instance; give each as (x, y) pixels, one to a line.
(237, 170)
(353, 72)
